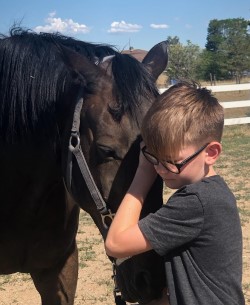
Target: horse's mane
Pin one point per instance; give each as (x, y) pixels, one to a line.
(33, 79)
(135, 85)
(133, 82)
(93, 51)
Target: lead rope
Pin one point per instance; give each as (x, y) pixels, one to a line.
(75, 149)
(116, 291)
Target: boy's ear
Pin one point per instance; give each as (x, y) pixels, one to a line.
(213, 152)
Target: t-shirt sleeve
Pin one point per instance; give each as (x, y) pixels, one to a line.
(175, 224)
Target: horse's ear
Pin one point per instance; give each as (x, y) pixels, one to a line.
(106, 63)
(156, 59)
(78, 63)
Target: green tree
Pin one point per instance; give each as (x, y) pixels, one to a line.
(228, 48)
(182, 59)
(209, 67)
(173, 40)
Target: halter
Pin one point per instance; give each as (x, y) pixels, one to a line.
(74, 148)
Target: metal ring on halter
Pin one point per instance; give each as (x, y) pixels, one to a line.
(107, 217)
(74, 142)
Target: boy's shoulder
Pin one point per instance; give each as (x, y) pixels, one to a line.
(210, 190)
(214, 182)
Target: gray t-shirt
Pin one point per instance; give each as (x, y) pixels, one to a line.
(198, 232)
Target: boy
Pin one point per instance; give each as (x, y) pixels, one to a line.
(198, 231)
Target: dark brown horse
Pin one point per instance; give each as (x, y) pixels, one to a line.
(41, 82)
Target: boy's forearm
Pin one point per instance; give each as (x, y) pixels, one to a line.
(130, 208)
(125, 224)
(142, 182)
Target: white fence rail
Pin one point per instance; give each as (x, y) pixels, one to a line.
(232, 104)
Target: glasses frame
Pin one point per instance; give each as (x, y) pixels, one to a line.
(177, 165)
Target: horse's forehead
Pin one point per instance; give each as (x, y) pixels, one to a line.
(98, 109)
(108, 131)
(118, 137)
(106, 126)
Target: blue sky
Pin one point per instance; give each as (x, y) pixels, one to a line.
(137, 23)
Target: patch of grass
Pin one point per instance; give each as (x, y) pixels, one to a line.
(13, 278)
(86, 251)
(237, 131)
(234, 166)
(246, 290)
(85, 219)
(109, 283)
(244, 212)
(244, 216)
(4, 279)
(235, 158)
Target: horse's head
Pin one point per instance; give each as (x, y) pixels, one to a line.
(110, 122)
(119, 91)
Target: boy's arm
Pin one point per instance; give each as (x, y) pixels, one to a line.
(124, 236)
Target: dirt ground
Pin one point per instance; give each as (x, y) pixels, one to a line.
(95, 284)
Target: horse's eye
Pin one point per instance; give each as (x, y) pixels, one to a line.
(106, 153)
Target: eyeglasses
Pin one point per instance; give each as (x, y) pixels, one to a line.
(169, 165)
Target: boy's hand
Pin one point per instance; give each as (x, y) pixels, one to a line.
(144, 178)
(145, 166)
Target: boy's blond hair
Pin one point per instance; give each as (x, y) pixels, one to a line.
(185, 114)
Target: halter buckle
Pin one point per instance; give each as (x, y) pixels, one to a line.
(107, 219)
(74, 141)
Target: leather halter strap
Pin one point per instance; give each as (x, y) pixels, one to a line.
(74, 149)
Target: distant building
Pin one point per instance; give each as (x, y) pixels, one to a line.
(137, 53)
(162, 80)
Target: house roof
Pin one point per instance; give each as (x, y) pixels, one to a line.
(137, 53)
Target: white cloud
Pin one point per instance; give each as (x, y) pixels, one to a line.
(65, 26)
(159, 26)
(188, 26)
(123, 27)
